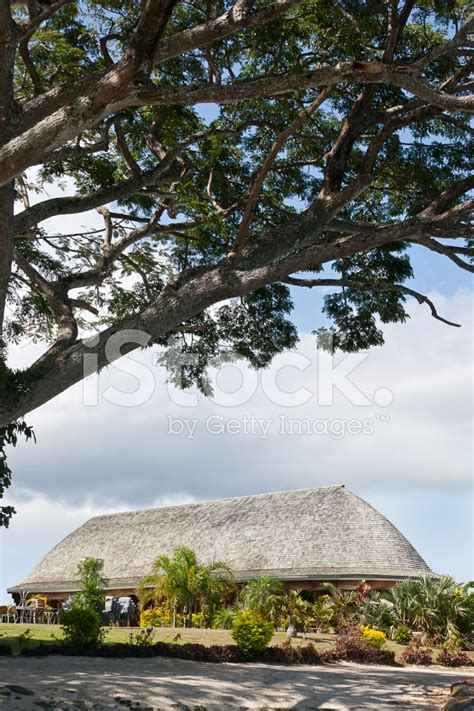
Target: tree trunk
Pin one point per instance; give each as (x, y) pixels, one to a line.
(7, 58)
(6, 247)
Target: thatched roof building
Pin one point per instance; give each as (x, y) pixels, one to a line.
(302, 537)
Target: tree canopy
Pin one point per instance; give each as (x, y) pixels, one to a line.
(232, 150)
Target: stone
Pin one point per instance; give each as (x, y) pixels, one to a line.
(20, 690)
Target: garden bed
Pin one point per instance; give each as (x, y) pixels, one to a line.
(193, 644)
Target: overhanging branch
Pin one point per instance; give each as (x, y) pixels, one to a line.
(370, 286)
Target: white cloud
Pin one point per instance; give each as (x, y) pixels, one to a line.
(41, 522)
(126, 455)
(106, 458)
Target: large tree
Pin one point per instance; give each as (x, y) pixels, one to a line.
(331, 134)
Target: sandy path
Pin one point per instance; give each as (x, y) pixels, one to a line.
(71, 683)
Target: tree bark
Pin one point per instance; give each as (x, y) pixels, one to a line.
(6, 247)
(7, 57)
(118, 90)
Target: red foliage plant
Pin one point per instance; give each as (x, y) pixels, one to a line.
(416, 653)
(452, 657)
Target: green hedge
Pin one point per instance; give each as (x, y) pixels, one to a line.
(251, 631)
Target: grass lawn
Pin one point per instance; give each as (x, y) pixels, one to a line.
(50, 633)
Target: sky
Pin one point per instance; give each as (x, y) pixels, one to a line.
(394, 425)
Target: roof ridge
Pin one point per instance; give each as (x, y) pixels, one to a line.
(225, 498)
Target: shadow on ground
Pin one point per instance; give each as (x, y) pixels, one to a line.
(95, 683)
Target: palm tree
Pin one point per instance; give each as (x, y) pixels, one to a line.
(405, 597)
(183, 583)
(208, 586)
(321, 613)
(264, 596)
(159, 586)
(295, 609)
(438, 606)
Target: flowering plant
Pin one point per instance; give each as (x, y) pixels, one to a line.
(374, 638)
(362, 590)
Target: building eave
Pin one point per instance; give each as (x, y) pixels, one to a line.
(72, 586)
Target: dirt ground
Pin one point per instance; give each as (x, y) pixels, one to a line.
(58, 683)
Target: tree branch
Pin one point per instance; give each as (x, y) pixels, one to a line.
(452, 192)
(371, 286)
(82, 203)
(57, 300)
(223, 26)
(114, 93)
(435, 246)
(30, 27)
(257, 185)
(77, 151)
(280, 85)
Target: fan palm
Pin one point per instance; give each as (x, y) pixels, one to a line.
(437, 606)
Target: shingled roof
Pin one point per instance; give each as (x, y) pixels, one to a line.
(309, 534)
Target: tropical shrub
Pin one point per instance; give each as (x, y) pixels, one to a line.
(81, 625)
(182, 583)
(150, 618)
(436, 606)
(160, 616)
(320, 614)
(223, 618)
(295, 611)
(264, 597)
(90, 571)
(25, 640)
(82, 622)
(374, 638)
(417, 653)
(198, 619)
(352, 645)
(143, 638)
(402, 635)
(344, 606)
(301, 654)
(376, 612)
(362, 591)
(465, 624)
(452, 656)
(251, 632)
(197, 652)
